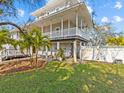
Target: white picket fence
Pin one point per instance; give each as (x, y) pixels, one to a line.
(108, 54)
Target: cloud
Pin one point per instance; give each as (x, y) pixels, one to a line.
(105, 20)
(118, 5)
(89, 9)
(21, 12)
(117, 19)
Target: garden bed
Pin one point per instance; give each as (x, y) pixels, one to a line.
(18, 66)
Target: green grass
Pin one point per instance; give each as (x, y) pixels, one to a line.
(66, 78)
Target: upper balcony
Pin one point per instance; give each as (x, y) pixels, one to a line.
(70, 33)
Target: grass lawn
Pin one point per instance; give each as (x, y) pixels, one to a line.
(66, 78)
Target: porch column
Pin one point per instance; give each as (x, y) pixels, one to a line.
(51, 29)
(62, 27)
(68, 25)
(81, 23)
(58, 45)
(75, 51)
(80, 51)
(76, 23)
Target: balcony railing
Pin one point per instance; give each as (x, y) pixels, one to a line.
(71, 32)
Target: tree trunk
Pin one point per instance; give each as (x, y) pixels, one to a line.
(13, 24)
(93, 56)
(29, 53)
(46, 54)
(36, 58)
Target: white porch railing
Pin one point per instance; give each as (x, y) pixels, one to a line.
(11, 53)
(71, 32)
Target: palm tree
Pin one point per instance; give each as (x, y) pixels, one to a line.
(46, 44)
(4, 37)
(33, 39)
(38, 40)
(60, 54)
(25, 43)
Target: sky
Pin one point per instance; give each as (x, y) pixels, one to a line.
(107, 11)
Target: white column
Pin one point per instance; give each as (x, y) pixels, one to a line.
(75, 51)
(51, 29)
(68, 25)
(62, 27)
(81, 23)
(76, 22)
(58, 45)
(80, 50)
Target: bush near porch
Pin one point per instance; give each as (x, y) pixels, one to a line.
(66, 78)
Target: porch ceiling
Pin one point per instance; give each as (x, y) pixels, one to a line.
(69, 13)
(51, 5)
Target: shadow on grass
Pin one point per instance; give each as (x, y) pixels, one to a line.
(65, 78)
(86, 78)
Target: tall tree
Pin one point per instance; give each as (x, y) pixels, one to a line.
(4, 37)
(7, 8)
(116, 41)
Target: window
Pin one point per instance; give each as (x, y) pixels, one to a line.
(57, 28)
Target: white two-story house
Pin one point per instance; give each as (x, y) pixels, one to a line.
(66, 23)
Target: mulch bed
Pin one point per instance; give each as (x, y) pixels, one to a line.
(21, 66)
